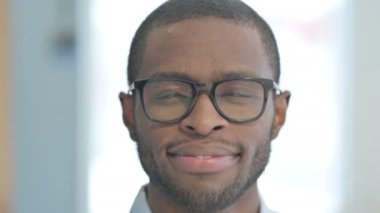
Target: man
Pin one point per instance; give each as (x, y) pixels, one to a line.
(203, 106)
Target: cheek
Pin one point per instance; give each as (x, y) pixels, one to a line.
(256, 132)
(152, 136)
(150, 131)
(252, 136)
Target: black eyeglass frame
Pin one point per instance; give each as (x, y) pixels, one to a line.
(197, 88)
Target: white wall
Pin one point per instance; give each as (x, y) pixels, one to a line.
(362, 164)
(43, 107)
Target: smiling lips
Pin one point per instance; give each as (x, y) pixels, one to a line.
(202, 159)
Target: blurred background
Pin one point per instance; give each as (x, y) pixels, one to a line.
(64, 148)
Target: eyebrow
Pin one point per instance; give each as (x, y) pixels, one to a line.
(172, 74)
(222, 75)
(236, 75)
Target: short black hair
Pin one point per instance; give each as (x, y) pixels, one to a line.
(173, 11)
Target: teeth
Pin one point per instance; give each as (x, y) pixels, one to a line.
(203, 157)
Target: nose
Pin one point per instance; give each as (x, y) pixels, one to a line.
(203, 119)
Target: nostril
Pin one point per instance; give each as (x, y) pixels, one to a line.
(218, 127)
(190, 127)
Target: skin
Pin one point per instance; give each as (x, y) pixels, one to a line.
(204, 50)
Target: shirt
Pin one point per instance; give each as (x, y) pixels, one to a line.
(140, 205)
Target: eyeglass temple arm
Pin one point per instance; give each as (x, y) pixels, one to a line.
(131, 88)
(276, 87)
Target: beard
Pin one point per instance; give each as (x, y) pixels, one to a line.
(202, 199)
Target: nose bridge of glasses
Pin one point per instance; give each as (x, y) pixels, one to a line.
(203, 88)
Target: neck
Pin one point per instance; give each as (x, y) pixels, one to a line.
(159, 202)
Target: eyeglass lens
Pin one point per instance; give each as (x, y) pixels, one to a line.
(236, 99)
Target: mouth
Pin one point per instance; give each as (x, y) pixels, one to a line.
(203, 159)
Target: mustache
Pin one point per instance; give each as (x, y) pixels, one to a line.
(211, 140)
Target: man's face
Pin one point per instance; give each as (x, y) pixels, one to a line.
(205, 162)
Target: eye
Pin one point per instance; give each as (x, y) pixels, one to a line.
(170, 97)
(237, 93)
(243, 93)
(168, 94)
(238, 97)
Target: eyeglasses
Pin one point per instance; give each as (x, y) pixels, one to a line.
(237, 100)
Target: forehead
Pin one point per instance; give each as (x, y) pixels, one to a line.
(204, 50)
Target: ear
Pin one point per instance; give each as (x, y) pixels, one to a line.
(127, 103)
(281, 103)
